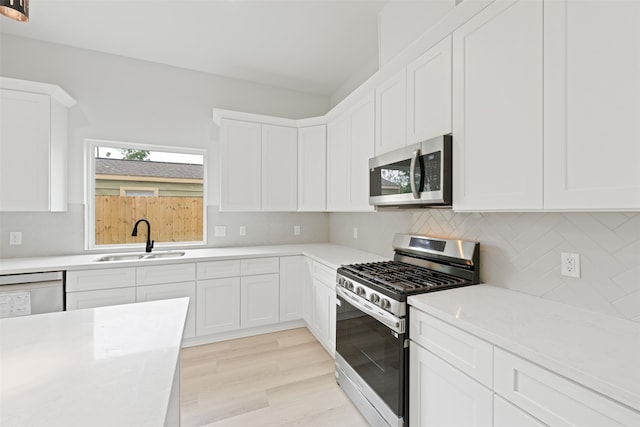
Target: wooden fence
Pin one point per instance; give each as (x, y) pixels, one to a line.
(173, 219)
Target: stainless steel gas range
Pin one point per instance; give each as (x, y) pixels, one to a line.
(372, 340)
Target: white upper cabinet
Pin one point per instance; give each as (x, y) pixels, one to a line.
(592, 105)
(240, 166)
(362, 134)
(33, 146)
(391, 114)
(338, 164)
(497, 108)
(312, 168)
(350, 145)
(258, 167)
(279, 168)
(429, 94)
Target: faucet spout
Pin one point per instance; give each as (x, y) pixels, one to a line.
(134, 233)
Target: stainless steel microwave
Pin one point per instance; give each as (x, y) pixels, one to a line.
(418, 175)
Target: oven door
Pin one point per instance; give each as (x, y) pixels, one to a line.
(374, 351)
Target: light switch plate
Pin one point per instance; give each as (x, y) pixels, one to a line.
(220, 231)
(243, 230)
(296, 230)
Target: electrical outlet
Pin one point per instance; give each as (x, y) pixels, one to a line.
(15, 238)
(220, 231)
(355, 232)
(296, 230)
(570, 264)
(243, 230)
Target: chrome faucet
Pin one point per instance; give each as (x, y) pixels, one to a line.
(135, 233)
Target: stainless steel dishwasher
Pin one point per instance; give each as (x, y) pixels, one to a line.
(31, 293)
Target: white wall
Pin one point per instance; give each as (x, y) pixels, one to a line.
(124, 99)
(521, 251)
(401, 22)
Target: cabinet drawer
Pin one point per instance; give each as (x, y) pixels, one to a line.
(218, 269)
(324, 274)
(100, 298)
(108, 278)
(253, 266)
(172, 273)
(471, 355)
(553, 399)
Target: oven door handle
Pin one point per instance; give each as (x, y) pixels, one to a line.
(384, 317)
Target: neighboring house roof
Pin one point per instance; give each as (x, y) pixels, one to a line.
(148, 168)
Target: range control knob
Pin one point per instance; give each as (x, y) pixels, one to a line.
(384, 303)
(348, 284)
(341, 281)
(360, 291)
(374, 298)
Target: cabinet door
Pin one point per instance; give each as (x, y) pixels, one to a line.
(592, 104)
(173, 290)
(497, 108)
(362, 140)
(312, 168)
(291, 287)
(507, 415)
(429, 94)
(308, 292)
(240, 166)
(338, 159)
(324, 315)
(259, 299)
(25, 125)
(279, 168)
(218, 305)
(391, 114)
(100, 298)
(440, 395)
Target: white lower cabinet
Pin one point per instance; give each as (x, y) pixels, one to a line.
(291, 287)
(259, 300)
(100, 298)
(319, 302)
(440, 395)
(323, 314)
(449, 386)
(172, 290)
(507, 415)
(217, 305)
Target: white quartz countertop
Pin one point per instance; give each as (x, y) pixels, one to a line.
(328, 254)
(598, 351)
(108, 366)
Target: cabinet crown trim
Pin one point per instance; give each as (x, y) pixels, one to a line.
(54, 91)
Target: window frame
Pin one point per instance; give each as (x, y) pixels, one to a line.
(90, 145)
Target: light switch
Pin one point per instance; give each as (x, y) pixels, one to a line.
(296, 230)
(243, 230)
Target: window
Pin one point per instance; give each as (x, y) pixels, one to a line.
(126, 182)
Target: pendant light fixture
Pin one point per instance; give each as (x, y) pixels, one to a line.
(15, 9)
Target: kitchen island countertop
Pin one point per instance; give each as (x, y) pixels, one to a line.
(108, 366)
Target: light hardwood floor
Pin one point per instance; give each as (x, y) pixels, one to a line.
(279, 379)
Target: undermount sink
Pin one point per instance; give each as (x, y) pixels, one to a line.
(133, 257)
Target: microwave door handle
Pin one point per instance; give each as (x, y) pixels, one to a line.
(412, 174)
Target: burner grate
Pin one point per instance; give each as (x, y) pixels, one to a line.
(404, 278)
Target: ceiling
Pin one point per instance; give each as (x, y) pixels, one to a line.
(311, 46)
